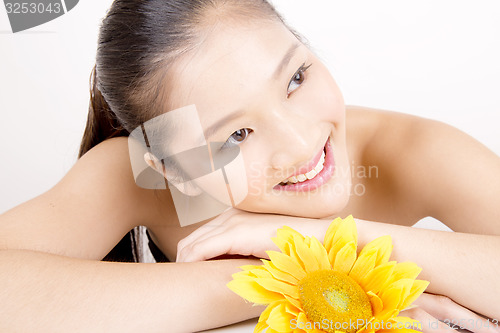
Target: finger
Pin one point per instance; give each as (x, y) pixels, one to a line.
(454, 314)
(208, 248)
(187, 245)
(203, 231)
(429, 324)
(207, 227)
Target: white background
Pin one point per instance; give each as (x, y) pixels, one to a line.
(436, 59)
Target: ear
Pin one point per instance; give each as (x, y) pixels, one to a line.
(188, 188)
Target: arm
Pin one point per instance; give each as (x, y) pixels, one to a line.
(459, 265)
(436, 171)
(44, 292)
(51, 276)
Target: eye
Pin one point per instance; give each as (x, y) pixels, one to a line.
(297, 78)
(237, 137)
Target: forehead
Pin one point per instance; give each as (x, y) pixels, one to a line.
(232, 64)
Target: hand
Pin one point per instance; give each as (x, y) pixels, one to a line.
(237, 232)
(436, 311)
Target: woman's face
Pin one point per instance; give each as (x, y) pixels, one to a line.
(256, 86)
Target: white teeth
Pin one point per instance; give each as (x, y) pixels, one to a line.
(301, 178)
(310, 175)
(319, 168)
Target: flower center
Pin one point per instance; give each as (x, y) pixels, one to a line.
(335, 301)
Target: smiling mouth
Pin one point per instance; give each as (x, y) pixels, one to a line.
(313, 178)
(300, 178)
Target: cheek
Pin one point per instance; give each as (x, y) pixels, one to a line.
(256, 184)
(256, 174)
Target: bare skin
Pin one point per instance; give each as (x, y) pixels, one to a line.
(103, 205)
(50, 249)
(52, 244)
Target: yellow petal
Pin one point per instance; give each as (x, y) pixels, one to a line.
(298, 330)
(385, 315)
(339, 233)
(279, 319)
(243, 275)
(405, 285)
(250, 290)
(390, 298)
(366, 328)
(330, 233)
(405, 270)
(249, 267)
(320, 254)
(394, 295)
(261, 326)
(287, 264)
(345, 258)
(363, 265)
(294, 301)
(279, 287)
(378, 278)
(294, 254)
(315, 330)
(270, 330)
(383, 245)
(291, 309)
(284, 236)
(416, 290)
(278, 273)
(305, 254)
(376, 303)
(261, 273)
(302, 321)
(265, 314)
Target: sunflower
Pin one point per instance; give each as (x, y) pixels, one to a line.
(310, 287)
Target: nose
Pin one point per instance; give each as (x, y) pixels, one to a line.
(294, 137)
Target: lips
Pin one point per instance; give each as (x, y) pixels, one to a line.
(302, 177)
(312, 175)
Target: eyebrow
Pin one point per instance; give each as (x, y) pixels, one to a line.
(286, 59)
(212, 129)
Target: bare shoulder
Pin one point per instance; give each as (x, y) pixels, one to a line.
(367, 123)
(108, 164)
(376, 141)
(85, 214)
(433, 168)
(395, 135)
(382, 138)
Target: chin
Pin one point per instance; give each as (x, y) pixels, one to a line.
(318, 205)
(325, 206)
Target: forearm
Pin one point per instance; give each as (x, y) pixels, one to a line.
(464, 267)
(44, 292)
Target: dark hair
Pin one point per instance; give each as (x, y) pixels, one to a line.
(138, 42)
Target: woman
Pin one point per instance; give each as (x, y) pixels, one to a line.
(237, 59)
